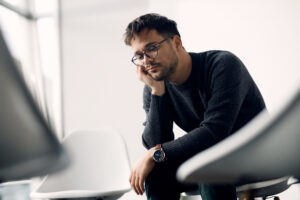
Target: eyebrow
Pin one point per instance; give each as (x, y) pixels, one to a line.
(146, 46)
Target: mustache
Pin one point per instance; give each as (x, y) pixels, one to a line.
(151, 65)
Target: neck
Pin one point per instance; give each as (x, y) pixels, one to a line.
(183, 69)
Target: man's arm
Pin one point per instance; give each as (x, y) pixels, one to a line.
(229, 86)
(158, 128)
(158, 124)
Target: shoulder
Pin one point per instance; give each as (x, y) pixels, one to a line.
(209, 59)
(212, 62)
(228, 70)
(216, 56)
(221, 60)
(225, 57)
(223, 66)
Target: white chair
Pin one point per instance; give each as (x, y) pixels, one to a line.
(267, 148)
(100, 168)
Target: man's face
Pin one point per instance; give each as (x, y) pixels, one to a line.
(165, 63)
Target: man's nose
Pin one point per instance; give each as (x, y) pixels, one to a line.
(146, 59)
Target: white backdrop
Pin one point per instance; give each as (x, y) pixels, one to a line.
(100, 84)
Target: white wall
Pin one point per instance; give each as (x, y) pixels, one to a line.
(264, 34)
(100, 85)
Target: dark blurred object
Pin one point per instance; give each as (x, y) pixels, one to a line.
(28, 146)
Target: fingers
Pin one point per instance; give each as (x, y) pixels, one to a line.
(142, 74)
(141, 186)
(132, 182)
(140, 171)
(141, 70)
(137, 183)
(137, 186)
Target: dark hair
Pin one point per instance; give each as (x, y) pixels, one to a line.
(161, 24)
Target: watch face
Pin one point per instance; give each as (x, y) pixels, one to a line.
(158, 155)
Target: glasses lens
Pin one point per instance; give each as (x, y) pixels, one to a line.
(150, 53)
(137, 61)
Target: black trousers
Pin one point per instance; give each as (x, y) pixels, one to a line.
(161, 184)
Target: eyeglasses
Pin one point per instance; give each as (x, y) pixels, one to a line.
(151, 52)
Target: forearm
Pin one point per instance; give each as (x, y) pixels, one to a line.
(159, 124)
(197, 140)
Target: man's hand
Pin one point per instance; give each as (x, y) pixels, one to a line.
(141, 170)
(158, 87)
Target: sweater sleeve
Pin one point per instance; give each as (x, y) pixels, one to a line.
(159, 123)
(228, 84)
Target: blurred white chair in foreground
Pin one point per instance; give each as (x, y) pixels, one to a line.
(259, 158)
(99, 169)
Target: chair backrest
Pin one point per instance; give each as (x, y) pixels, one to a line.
(266, 148)
(100, 167)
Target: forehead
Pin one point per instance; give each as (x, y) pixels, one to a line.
(145, 37)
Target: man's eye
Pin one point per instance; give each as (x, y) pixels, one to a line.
(139, 56)
(151, 48)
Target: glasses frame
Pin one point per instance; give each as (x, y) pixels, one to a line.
(144, 53)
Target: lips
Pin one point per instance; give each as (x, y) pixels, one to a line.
(152, 68)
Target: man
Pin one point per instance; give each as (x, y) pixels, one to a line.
(209, 95)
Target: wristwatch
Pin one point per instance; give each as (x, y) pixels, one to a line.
(159, 154)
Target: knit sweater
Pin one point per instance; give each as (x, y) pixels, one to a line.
(217, 99)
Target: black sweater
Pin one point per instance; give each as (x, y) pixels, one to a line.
(218, 98)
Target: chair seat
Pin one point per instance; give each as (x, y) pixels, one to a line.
(99, 168)
(260, 189)
(266, 188)
(79, 194)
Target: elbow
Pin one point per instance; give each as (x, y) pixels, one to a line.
(147, 146)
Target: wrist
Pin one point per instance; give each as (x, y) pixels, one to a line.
(159, 154)
(158, 92)
(150, 155)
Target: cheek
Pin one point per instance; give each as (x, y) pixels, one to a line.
(169, 58)
(164, 57)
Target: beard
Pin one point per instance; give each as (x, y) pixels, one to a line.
(164, 71)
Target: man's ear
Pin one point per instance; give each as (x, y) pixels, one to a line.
(178, 42)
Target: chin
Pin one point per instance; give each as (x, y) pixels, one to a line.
(158, 75)
(158, 78)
